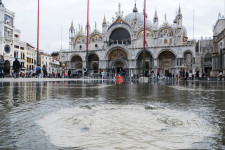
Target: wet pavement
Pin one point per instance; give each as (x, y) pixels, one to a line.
(101, 114)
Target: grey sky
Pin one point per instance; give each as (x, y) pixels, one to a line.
(55, 14)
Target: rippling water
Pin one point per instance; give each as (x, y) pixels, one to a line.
(99, 116)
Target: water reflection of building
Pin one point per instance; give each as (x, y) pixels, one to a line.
(218, 55)
(119, 46)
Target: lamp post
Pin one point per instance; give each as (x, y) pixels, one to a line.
(38, 37)
(87, 37)
(144, 42)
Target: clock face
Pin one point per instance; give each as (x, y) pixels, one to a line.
(7, 49)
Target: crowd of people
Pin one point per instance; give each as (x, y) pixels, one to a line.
(42, 72)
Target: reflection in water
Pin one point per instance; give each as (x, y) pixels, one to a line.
(191, 113)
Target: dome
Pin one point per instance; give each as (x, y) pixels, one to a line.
(140, 18)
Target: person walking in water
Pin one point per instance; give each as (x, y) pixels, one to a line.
(44, 69)
(69, 73)
(16, 67)
(2, 65)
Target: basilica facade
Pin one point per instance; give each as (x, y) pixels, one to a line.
(119, 46)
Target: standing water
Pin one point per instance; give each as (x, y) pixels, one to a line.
(100, 116)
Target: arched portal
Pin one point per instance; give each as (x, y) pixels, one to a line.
(93, 63)
(149, 63)
(118, 60)
(76, 64)
(167, 62)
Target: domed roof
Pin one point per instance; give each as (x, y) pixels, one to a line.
(140, 18)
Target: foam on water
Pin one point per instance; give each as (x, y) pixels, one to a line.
(180, 88)
(124, 127)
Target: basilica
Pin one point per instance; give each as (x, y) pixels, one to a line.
(119, 46)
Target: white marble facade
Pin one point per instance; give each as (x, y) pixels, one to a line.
(119, 46)
(218, 54)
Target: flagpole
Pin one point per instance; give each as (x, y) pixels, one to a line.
(38, 37)
(87, 35)
(144, 42)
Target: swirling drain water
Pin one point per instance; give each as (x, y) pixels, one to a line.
(124, 127)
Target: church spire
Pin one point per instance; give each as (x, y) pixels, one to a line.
(156, 15)
(155, 20)
(135, 10)
(104, 20)
(179, 11)
(72, 26)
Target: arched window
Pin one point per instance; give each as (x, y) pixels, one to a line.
(119, 36)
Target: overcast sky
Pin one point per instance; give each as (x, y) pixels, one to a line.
(57, 14)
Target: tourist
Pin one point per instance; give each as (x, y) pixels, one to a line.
(220, 75)
(44, 69)
(2, 65)
(53, 74)
(69, 73)
(38, 71)
(190, 76)
(16, 67)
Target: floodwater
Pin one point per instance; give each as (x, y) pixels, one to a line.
(110, 116)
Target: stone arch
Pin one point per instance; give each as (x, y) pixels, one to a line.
(95, 37)
(117, 52)
(187, 51)
(76, 62)
(148, 31)
(149, 60)
(93, 62)
(121, 26)
(157, 56)
(80, 40)
(117, 62)
(167, 61)
(120, 36)
(165, 32)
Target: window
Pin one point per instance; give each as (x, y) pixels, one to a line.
(16, 35)
(96, 45)
(15, 46)
(165, 41)
(7, 49)
(22, 48)
(80, 47)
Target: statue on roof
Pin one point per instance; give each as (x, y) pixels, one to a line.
(1, 4)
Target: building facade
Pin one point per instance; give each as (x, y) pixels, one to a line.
(10, 44)
(205, 49)
(218, 54)
(31, 59)
(45, 59)
(119, 46)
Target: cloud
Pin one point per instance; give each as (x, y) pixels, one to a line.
(55, 14)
